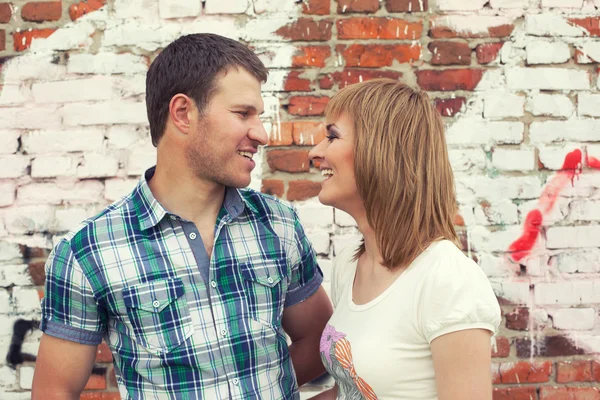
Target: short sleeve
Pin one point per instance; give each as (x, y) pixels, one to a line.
(457, 296)
(343, 271)
(69, 308)
(306, 275)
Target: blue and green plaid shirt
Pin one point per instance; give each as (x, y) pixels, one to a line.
(181, 325)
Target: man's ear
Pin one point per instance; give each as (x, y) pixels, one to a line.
(181, 109)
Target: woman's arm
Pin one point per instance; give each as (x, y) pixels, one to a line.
(462, 363)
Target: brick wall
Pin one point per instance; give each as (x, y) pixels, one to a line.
(516, 81)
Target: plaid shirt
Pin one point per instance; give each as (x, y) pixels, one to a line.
(181, 326)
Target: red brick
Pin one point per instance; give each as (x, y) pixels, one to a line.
(525, 372)
(487, 52)
(42, 11)
(302, 190)
(547, 346)
(288, 160)
(580, 56)
(273, 187)
(515, 393)
(448, 53)
(5, 13)
(84, 7)
(326, 81)
(590, 24)
(22, 40)
(2, 39)
(308, 133)
(96, 382)
(378, 55)
(357, 6)
(306, 29)
(574, 371)
(103, 354)
(502, 347)
(350, 76)
(596, 370)
(311, 56)
(100, 396)
(295, 83)
(316, 7)
(281, 134)
(378, 28)
(449, 79)
(518, 320)
(458, 220)
(112, 378)
(569, 393)
(307, 105)
(439, 30)
(406, 5)
(450, 107)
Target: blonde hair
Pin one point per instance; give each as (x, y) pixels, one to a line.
(401, 165)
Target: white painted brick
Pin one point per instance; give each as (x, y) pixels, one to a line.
(509, 3)
(12, 95)
(15, 395)
(226, 7)
(547, 52)
(514, 291)
(25, 377)
(342, 218)
(13, 165)
(461, 5)
(125, 136)
(105, 113)
(265, 29)
(513, 159)
(521, 78)
(69, 218)
(561, 237)
(147, 36)
(500, 105)
(276, 6)
(326, 266)
(593, 152)
(483, 187)
(3, 231)
(495, 266)
(314, 214)
(179, 9)
(5, 304)
(62, 141)
(29, 219)
(32, 66)
(37, 240)
(276, 55)
(106, 63)
(9, 141)
(342, 241)
(276, 81)
(9, 252)
(8, 377)
(554, 105)
(26, 299)
(559, 210)
(503, 212)
(588, 52)
(512, 54)
(588, 104)
(483, 239)
(583, 261)
(96, 88)
(218, 24)
(29, 118)
(57, 193)
(130, 86)
(585, 210)
(140, 160)
(319, 240)
(575, 130)
(492, 79)
(126, 9)
(117, 188)
(69, 37)
(548, 24)
(585, 185)
(467, 212)
(553, 157)
(95, 165)
(574, 318)
(562, 3)
(52, 166)
(15, 275)
(466, 159)
(476, 131)
(472, 24)
(567, 292)
(536, 264)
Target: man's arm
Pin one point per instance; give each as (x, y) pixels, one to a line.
(62, 369)
(304, 323)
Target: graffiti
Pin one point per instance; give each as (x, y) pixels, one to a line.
(15, 355)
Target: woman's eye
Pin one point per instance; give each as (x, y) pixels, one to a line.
(331, 137)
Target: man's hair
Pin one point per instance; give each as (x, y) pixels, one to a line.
(192, 65)
(401, 165)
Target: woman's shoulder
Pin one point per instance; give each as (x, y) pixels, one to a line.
(344, 267)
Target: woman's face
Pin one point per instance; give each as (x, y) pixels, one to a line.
(335, 154)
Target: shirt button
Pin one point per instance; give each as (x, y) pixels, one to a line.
(236, 381)
(213, 284)
(155, 303)
(270, 280)
(192, 235)
(223, 332)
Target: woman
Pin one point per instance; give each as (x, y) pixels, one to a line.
(414, 315)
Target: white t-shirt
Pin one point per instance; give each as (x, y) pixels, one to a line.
(381, 350)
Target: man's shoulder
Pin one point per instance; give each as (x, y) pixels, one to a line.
(267, 205)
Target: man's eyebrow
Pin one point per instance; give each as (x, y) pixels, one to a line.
(247, 107)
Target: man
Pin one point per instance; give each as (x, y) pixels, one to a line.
(192, 282)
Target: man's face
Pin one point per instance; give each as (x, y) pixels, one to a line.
(227, 135)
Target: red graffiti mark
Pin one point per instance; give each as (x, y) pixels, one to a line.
(593, 162)
(571, 168)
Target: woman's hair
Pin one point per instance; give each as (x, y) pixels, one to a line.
(401, 165)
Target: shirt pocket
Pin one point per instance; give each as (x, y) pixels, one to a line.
(159, 314)
(265, 289)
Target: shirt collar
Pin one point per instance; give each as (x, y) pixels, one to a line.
(150, 212)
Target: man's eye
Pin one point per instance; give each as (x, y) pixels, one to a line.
(242, 113)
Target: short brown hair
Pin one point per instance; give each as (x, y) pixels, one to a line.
(401, 165)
